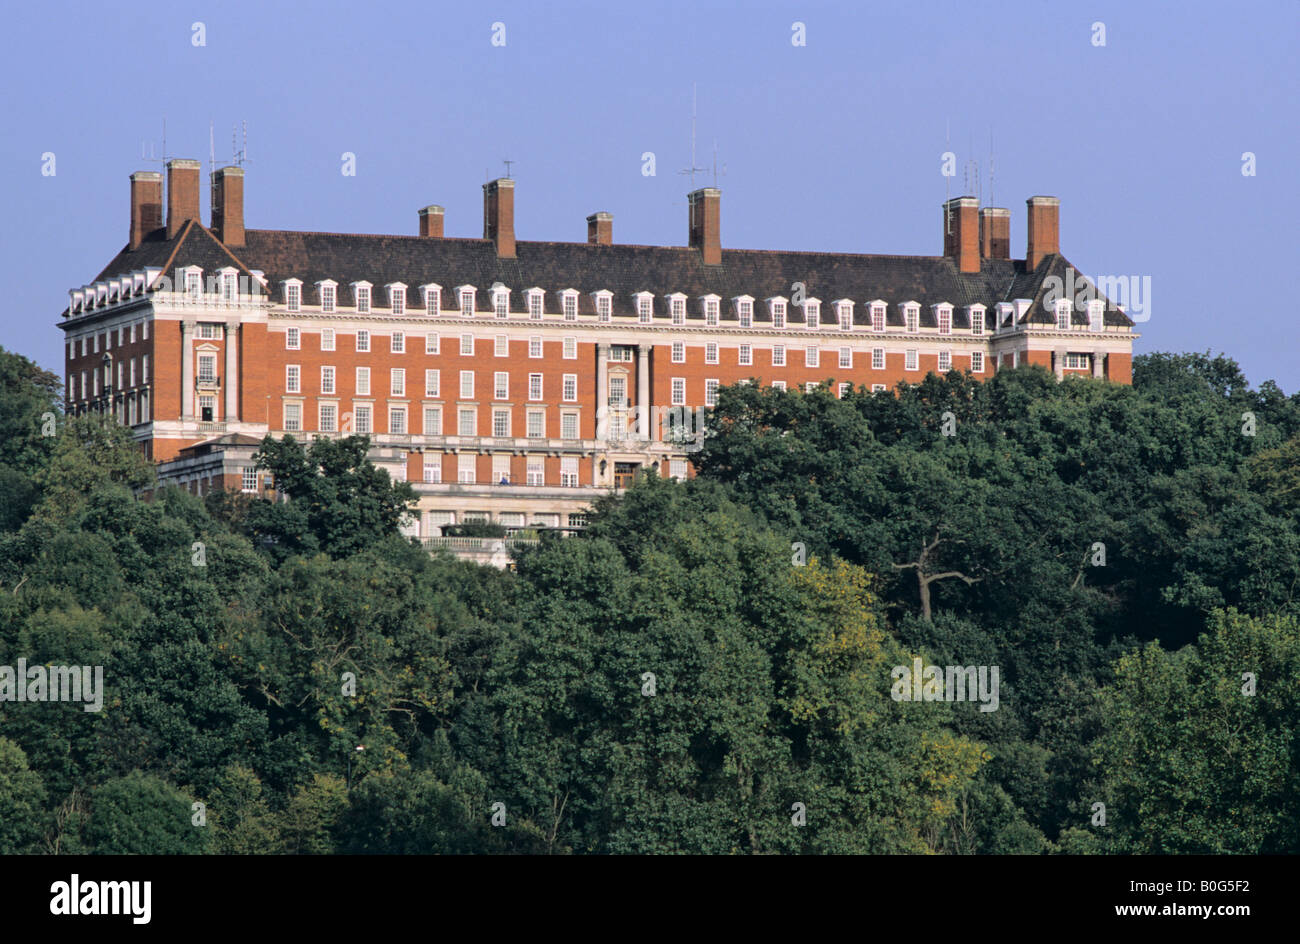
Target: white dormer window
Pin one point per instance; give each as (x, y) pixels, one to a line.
(1005, 316)
(644, 307)
(432, 299)
(139, 281)
(943, 317)
(709, 303)
(466, 295)
(744, 310)
(293, 294)
(812, 314)
(361, 297)
(844, 314)
(604, 304)
(912, 315)
(124, 287)
(1063, 314)
(500, 302)
(976, 313)
(878, 317)
(397, 297)
(1096, 315)
(677, 307)
(776, 308)
(569, 304)
(229, 284)
(327, 291)
(193, 281)
(535, 296)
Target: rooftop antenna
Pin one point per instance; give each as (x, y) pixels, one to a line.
(163, 158)
(715, 164)
(239, 154)
(971, 174)
(508, 162)
(693, 170)
(991, 203)
(947, 180)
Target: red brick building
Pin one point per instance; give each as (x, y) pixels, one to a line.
(513, 381)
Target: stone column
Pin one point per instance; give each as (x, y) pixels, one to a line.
(602, 391)
(187, 370)
(232, 371)
(643, 390)
(1058, 364)
(1098, 364)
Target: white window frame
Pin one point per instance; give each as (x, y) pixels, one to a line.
(467, 345)
(644, 307)
(397, 381)
(943, 317)
(501, 385)
(467, 385)
(292, 339)
(812, 314)
(363, 381)
(812, 356)
(1063, 312)
(432, 343)
(466, 298)
(432, 382)
(777, 307)
(744, 310)
(878, 321)
(432, 299)
(911, 360)
(328, 381)
(745, 355)
(570, 349)
(363, 341)
(977, 362)
(711, 352)
(361, 297)
(977, 320)
(536, 303)
(844, 314)
(604, 302)
(292, 294)
(569, 304)
(945, 361)
(397, 342)
(327, 292)
(536, 386)
(912, 317)
(569, 388)
(679, 391)
(677, 308)
(678, 352)
(397, 297)
(846, 358)
(877, 358)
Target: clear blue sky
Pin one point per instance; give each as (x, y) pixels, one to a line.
(834, 145)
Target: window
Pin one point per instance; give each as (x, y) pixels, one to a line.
(944, 314)
(846, 357)
(466, 423)
(679, 310)
(229, 286)
(363, 381)
(569, 475)
(604, 306)
(877, 388)
(844, 314)
(193, 282)
(1096, 315)
(1063, 315)
(534, 347)
(977, 321)
(812, 313)
(363, 342)
(877, 358)
(501, 385)
(679, 352)
(745, 357)
(431, 345)
(778, 355)
(432, 299)
(570, 387)
(710, 393)
(397, 382)
(207, 332)
(843, 390)
(711, 353)
(397, 299)
(535, 304)
(910, 360)
(778, 384)
(327, 298)
(248, 478)
(327, 380)
(913, 315)
(329, 418)
(643, 307)
(397, 420)
(433, 469)
(878, 318)
(501, 423)
(397, 343)
(536, 424)
(144, 370)
(292, 339)
(778, 312)
(467, 303)
(569, 426)
(570, 349)
(1076, 361)
(364, 418)
(96, 349)
(467, 345)
(534, 386)
(570, 306)
(501, 346)
(433, 421)
(501, 303)
(465, 471)
(677, 469)
(811, 357)
(293, 296)
(711, 311)
(535, 474)
(432, 383)
(207, 368)
(945, 361)
(811, 386)
(467, 385)
(327, 339)
(977, 362)
(679, 391)
(745, 312)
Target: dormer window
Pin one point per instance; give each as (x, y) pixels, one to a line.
(709, 305)
(912, 315)
(140, 282)
(535, 296)
(1096, 315)
(604, 304)
(677, 307)
(569, 304)
(361, 297)
(976, 313)
(744, 310)
(293, 295)
(500, 302)
(644, 309)
(812, 314)
(1006, 316)
(1063, 314)
(229, 284)
(878, 317)
(943, 317)
(776, 307)
(326, 289)
(466, 295)
(397, 297)
(193, 281)
(844, 314)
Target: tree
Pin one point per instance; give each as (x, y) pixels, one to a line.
(142, 815)
(22, 801)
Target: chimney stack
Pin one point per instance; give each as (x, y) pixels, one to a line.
(182, 194)
(146, 205)
(499, 215)
(995, 233)
(431, 222)
(961, 241)
(706, 224)
(228, 205)
(1044, 230)
(600, 229)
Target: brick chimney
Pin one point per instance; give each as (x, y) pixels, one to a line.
(182, 194)
(706, 224)
(499, 215)
(228, 205)
(431, 222)
(995, 233)
(600, 229)
(1044, 229)
(146, 205)
(961, 241)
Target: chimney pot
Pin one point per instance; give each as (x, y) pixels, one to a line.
(182, 194)
(1044, 230)
(431, 222)
(706, 224)
(499, 215)
(600, 229)
(961, 233)
(228, 205)
(146, 205)
(995, 233)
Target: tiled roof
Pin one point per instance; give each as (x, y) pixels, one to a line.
(622, 269)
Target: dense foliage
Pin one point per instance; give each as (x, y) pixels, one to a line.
(709, 667)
